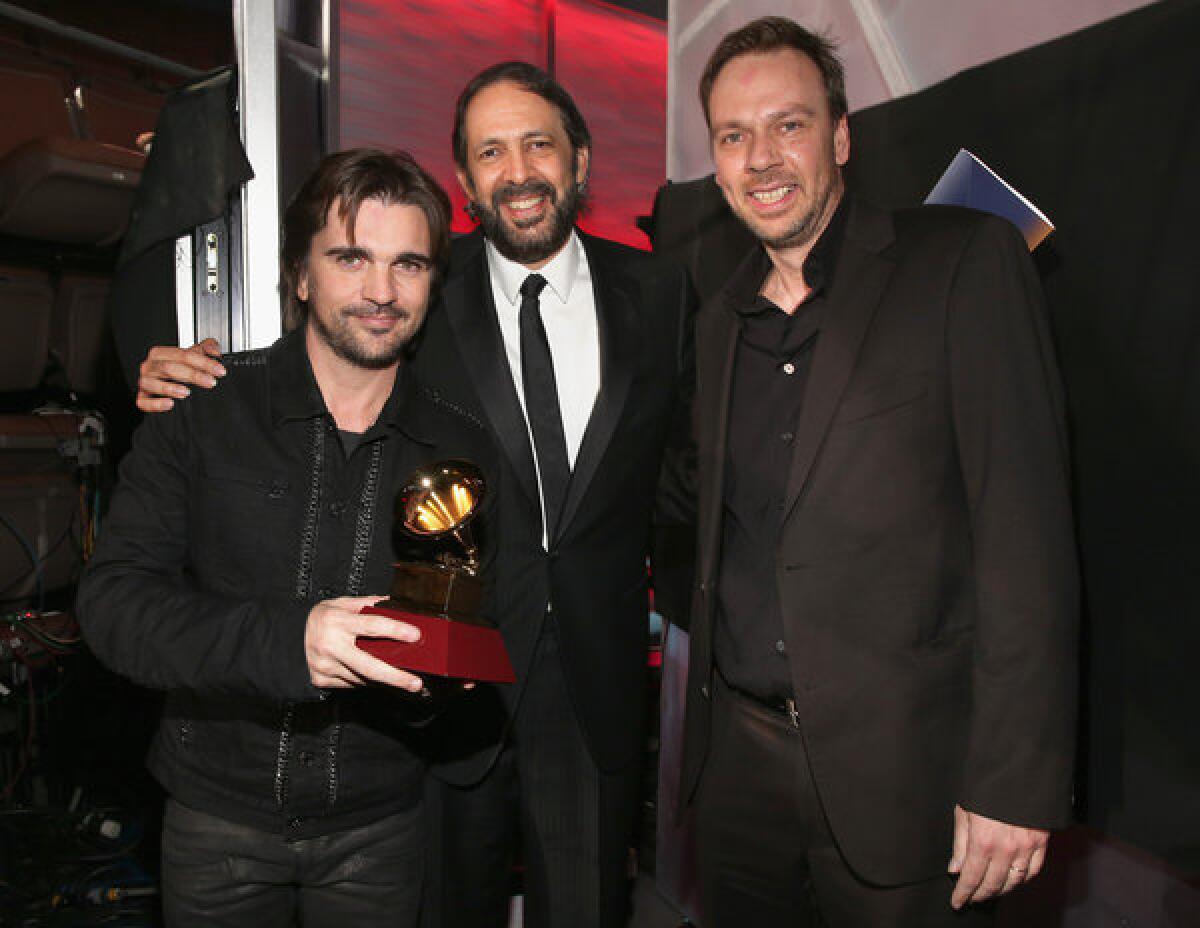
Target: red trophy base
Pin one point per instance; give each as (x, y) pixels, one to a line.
(447, 648)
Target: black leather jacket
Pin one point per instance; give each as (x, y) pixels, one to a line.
(236, 512)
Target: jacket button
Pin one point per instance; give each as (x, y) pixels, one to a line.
(704, 691)
(307, 758)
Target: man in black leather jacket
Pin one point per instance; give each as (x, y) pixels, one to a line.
(245, 533)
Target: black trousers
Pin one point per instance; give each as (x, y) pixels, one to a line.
(574, 822)
(225, 875)
(766, 855)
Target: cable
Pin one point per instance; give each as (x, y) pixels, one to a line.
(33, 558)
(65, 536)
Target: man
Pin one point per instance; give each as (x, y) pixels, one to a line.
(246, 529)
(576, 353)
(883, 663)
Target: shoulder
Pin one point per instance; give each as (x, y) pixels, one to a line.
(616, 261)
(946, 225)
(242, 363)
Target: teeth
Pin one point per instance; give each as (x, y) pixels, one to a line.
(524, 204)
(771, 196)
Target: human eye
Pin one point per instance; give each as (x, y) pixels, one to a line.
(349, 260)
(729, 138)
(411, 266)
(489, 154)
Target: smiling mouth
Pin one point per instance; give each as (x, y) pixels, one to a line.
(772, 196)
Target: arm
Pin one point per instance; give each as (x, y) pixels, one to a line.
(142, 615)
(165, 373)
(1009, 422)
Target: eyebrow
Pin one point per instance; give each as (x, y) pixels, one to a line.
(524, 137)
(356, 251)
(795, 109)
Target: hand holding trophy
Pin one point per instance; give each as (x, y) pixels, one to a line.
(442, 596)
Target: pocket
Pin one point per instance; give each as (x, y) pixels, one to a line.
(246, 482)
(882, 398)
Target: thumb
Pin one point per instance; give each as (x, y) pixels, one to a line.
(962, 831)
(356, 603)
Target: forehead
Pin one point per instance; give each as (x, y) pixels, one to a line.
(506, 109)
(771, 81)
(381, 225)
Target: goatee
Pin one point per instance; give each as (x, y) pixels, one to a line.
(341, 339)
(527, 244)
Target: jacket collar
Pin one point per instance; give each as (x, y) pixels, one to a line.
(293, 393)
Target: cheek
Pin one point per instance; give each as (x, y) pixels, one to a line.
(724, 178)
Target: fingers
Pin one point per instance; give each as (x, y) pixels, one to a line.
(211, 347)
(1036, 861)
(147, 403)
(167, 369)
(998, 857)
(974, 866)
(961, 829)
(331, 645)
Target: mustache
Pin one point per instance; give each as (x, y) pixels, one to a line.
(774, 178)
(530, 188)
(392, 311)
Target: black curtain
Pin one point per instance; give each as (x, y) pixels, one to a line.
(1101, 129)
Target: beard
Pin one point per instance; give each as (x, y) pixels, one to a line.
(362, 350)
(805, 227)
(527, 244)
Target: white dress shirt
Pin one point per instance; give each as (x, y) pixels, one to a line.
(568, 305)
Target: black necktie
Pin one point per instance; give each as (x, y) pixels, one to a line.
(541, 404)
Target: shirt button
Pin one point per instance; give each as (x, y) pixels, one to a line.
(789, 368)
(780, 646)
(787, 436)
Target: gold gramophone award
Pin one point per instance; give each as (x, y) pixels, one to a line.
(442, 596)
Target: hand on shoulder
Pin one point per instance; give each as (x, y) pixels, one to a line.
(164, 376)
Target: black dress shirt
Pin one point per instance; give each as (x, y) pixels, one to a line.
(774, 354)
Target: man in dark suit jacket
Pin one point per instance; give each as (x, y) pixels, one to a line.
(883, 665)
(559, 759)
(576, 354)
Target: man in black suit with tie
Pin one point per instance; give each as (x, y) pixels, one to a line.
(883, 652)
(576, 353)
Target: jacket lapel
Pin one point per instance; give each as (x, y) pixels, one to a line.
(467, 299)
(717, 339)
(859, 282)
(619, 338)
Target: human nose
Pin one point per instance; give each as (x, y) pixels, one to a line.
(517, 168)
(762, 153)
(378, 286)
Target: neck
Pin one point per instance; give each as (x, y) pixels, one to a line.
(787, 261)
(353, 395)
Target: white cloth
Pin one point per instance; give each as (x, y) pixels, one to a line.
(568, 304)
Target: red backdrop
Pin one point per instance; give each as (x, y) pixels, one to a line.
(403, 63)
